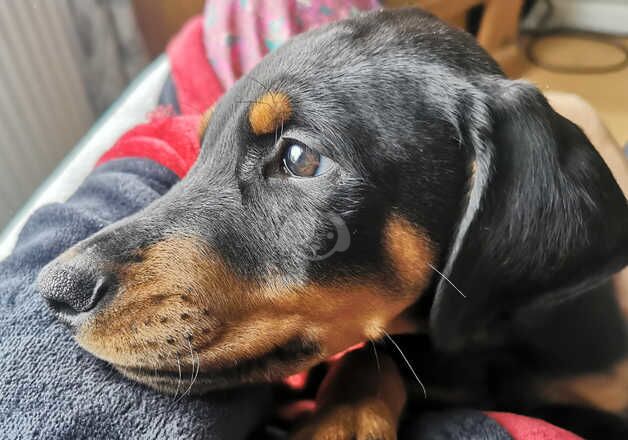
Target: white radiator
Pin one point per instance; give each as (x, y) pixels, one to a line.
(44, 107)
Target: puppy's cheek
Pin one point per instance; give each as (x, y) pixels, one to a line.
(357, 310)
(342, 315)
(173, 299)
(180, 298)
(410, 255)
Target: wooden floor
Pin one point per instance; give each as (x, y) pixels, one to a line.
(608, 92)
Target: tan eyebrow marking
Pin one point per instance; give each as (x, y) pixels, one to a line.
(269, 112)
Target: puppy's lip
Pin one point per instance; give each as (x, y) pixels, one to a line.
(165, 383)
(165, 374)
(199, 382)
(294, 355)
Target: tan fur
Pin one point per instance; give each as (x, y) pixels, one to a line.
(473, 169)
(409, 251)
(367, 419)
(621, 291)
(180, 297)
(362, 397)
(607, 391)
(269, 112)
(202, 127)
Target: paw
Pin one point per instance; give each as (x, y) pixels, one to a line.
(365, 420)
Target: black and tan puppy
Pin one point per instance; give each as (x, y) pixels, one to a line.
(473, 216)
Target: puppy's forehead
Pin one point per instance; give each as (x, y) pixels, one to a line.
(381, 42)
(367, 73)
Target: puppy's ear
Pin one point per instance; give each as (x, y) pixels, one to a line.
(544, 219)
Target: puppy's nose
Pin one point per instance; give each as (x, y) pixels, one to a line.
(70, 290)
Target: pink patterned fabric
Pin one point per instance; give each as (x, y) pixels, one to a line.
(238, 33)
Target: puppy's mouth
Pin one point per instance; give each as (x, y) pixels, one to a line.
(297, 354)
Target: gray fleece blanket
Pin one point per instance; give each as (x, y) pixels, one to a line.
(49, 387)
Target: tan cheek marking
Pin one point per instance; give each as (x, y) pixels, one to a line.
(607, 391)
(410, 252)
(337, 316)
(181, 296)
(620, 281)
(269, 112)
(172, 298)
(202, 127)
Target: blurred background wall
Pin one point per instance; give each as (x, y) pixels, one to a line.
(62, 63)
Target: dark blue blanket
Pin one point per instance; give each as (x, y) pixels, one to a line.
(49, 387)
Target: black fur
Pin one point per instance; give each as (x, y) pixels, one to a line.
(550, 221)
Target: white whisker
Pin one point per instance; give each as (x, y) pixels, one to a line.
(198, 367)
(192, 377)
(376, 355)
(447, 279)
(176, 393)
(281, 135)
(407, 363)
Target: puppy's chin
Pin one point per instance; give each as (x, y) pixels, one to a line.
(196, 382)
(197, 378)
(167, 382)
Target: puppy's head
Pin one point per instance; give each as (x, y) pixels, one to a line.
(339, 184)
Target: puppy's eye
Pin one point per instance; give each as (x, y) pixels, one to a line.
(302, 161)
